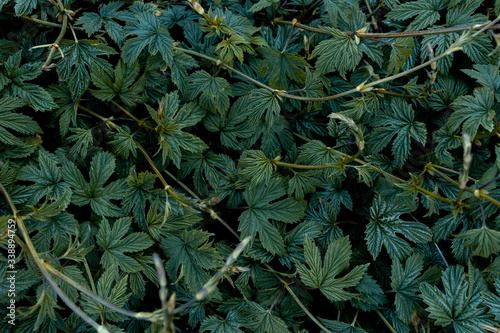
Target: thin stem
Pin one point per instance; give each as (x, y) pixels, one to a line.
(288, 40)
(137, 315)
(483, 215)
(441, 254)
(49, 24)
(386, 322)
(57, 42)
(92, 284)
(28, 247)
(477, 192)
(394, 34)
(385, 92)
(380, 5)
(184, 186)
(73, 32)
(139, 122)
(355, 318)
(229, 68)
(298, 166)
(276, 300)
(302, 306)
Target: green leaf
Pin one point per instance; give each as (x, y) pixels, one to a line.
(472, 111)
(113, 288)
(264, 205)
(78, 59)
(426, 12)
(46, 180)
(385, 223)
(401, 50)
(233, 125)
(398, 121)
(82, 139)
(262, 4)
(262, 320)
(172, 127)
(193, 253)
(339, 8)
(123, 85)
(493, 301)
(94, 191)
(231, 324)
(254, 167)
(208, 169)
(323, 274)
(264, 103)
(215, 91)
(303, 182)
(150, 33)
(108, 14)
(339, 53)
(406, 283)
(17, 122)
(459, 303)
(116, 240)
(340, 327)
(484, 241)
(282, 67)
(31, 94)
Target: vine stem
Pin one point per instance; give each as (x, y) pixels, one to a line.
(299, 302)
(28, 247)
(366, 87)
(57, 42)
(476, 192)
(386, 322)
(128, 113)
(278, 21)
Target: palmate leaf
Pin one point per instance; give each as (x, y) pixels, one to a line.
(78, 59)
(340, 327)
(21, 123)
(339, 8)
(113, 288)
(263, 206)
(405, 283)
(194, 254)
(399, 120)
(214, 91)
(459, 303)
(31, 94)
(484, 241)
(282, 67)
(339, 53)
(231, 324)
(208, 169)
(94, 191)
(472, 111)
(123, 85)
(323, 274)
(426, 12)
(401, 50)
(254, 167)
(150, 33)
(108, 14)
(233, 125)
(385, 223)
(493, 301)
(47, 180)
(264, 104)
(262, 320)
(172, 122)
(116, 241)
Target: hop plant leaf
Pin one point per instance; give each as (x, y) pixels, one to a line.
(264, 205)
(172, 123)
(94, 191)
(323, 274)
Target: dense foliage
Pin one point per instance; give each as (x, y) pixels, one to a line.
(351, 147)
